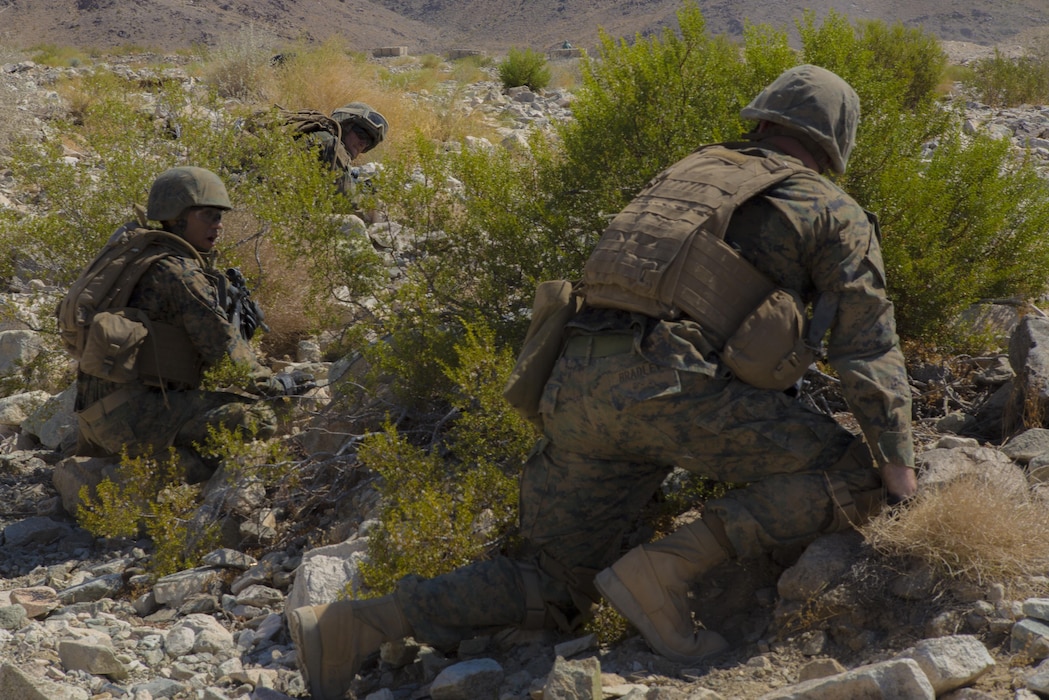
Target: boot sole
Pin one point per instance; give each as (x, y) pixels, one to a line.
(620, 597)
(305, 632)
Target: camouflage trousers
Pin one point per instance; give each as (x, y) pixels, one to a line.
(144, 418)
(615, 426)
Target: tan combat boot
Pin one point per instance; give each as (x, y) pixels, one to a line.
(333, 640)
(649, 586)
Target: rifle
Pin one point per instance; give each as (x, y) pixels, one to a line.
(243, 311)
(362, 180)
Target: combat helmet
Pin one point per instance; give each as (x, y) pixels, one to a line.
(176, 189)
(357, 115)
(816, 102)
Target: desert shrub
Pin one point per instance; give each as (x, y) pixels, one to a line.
(954, 75)
(471, 69)
(59, 56)
(451, 501)
(645, 104)
(148, 494)
(322, 77)
(609, 626)
(975, 528)
(238, 68)
(49, 370)
(243, 459)
(913, 58)
(1008, 82)
(485, 236)
(565, 75)
(965, 225)
(416, 335)
(524, 67)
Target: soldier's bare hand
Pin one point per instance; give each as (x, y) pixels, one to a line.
(901, 482)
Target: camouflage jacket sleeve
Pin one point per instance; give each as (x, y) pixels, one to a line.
(332, 153)
(822, 243)
(863, 346)
(175, 290)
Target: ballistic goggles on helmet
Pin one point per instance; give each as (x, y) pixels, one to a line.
(369, 125)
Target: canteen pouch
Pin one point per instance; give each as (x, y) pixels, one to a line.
(556, 303)
(769, 349)
(113, 344)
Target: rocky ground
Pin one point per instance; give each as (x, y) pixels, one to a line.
(83, 618)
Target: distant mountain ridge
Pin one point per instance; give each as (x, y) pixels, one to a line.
(435, 26)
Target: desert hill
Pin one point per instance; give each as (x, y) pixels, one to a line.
(434, 26)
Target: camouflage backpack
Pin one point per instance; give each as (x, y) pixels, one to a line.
(308, 121)
(110, 339)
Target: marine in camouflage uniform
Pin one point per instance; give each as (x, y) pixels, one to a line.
(177, 291)
(352, 130)
(634, 396)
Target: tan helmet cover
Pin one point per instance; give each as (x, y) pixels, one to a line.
(816, 102)
(364, 116)
(177, 189)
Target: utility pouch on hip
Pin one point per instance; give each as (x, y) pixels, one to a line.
(114, 341)
(768, 349)
(556, 303)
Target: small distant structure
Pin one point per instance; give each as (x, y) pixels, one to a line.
(567, 52)
(453, 54)
(389, 51)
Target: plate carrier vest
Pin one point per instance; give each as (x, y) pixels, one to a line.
(664, 254)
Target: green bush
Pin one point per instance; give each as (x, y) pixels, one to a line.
(1008, 82)
(524, 67)
(965, 225)
(149, 495)
(647, 103)
(449, 501)
(911, 58)
(486, 234)
(54, 55)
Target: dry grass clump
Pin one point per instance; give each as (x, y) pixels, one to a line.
(326, 76)
(9, 118)
(239, 68)
(321, 77)
(972, 528)
(565, 75)
(277, 283)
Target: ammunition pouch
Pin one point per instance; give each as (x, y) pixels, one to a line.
(169, 359)
(556, 303)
